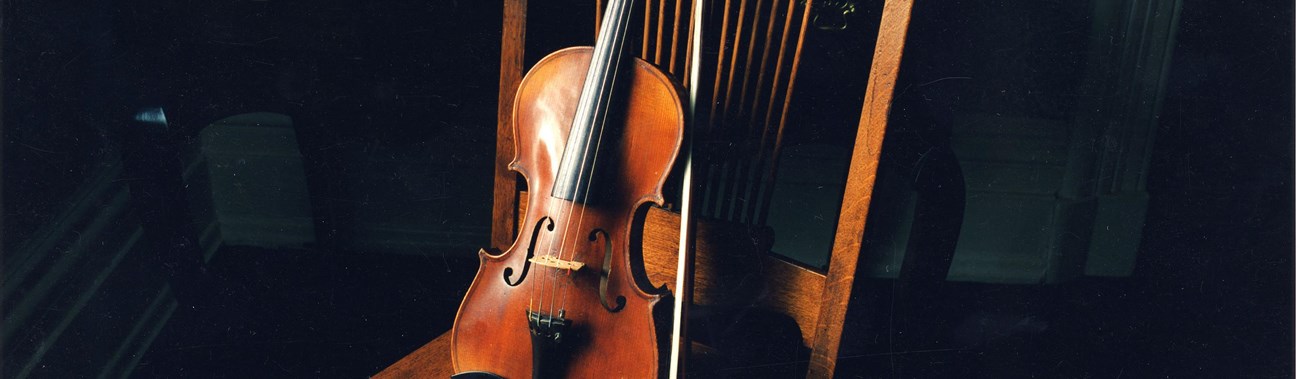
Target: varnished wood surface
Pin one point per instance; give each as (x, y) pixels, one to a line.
(433, 360)
(732, 267)
(769, 180)
(727, 263)
(795, 291)
(504, 186)
(759, 44)
(817, 303)
(491, 332)
(857, 192)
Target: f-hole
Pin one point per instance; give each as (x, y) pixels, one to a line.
(604, 273)
(532, 245)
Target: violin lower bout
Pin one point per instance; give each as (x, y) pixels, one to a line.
(612, 327)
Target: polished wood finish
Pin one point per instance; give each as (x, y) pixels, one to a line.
(732, 266)
(750, 92)
(769, 180)
(433, 360)
(504, 186)
(729, 256)
(816, 301)
(491, 332)
(857, 192)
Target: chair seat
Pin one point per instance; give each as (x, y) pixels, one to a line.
(433, 360)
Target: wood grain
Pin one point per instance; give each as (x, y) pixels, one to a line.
(491, 328)
(769, 180)
(726, 252)
(857, 193)
(732, 267)
(729, 266)
(433, 360)
(727, 257)
(504, 186)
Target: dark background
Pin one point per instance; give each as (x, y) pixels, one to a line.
(383, 92)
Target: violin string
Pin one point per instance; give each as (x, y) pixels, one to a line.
(598, 55)
(549, 250)
(585, 111)
(607, 94)
(607, 74)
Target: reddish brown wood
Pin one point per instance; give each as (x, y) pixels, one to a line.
(686, 56)
(756, 132)
(645, 29)
(600, 9)
(433, 360)
(717, 82)
(770, 179)
(767, 51)
(816, 301)
(677, 25)
(491, 332)
(726, 251)
(749, 53)
(504, 186)
(735, 49)
(857, 193)
(659, 35)
(727, 255)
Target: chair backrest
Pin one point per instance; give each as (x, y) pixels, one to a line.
(748, 84)
(750, 80)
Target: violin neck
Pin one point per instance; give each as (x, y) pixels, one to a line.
(577, 165)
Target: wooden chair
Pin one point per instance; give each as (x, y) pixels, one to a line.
(816, 301)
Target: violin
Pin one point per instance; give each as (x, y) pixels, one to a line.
(597, 132)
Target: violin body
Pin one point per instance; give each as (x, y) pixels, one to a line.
(527, 316)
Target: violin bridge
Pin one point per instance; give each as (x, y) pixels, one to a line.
(556, 263)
